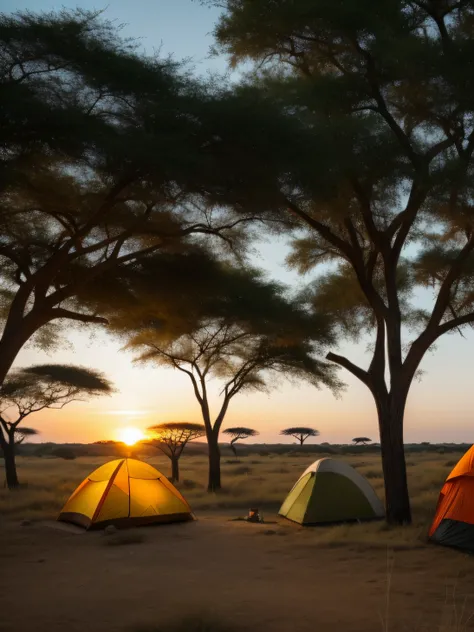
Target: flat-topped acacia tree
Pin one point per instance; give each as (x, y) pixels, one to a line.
(28, 390)
(171, 437)
(239, 433)
(361, 440)
(105, 160)
(374, 106)
(302, 433)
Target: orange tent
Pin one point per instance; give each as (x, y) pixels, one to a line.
(125, 492)
(453, 524)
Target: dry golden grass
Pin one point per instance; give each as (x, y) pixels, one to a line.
(248, 481)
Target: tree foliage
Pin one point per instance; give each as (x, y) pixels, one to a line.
(22, 434)
(30, 389)
(300, 432)
(107, 157)
(172, 437)
(375, 107)
(363, 440)
(239, 433)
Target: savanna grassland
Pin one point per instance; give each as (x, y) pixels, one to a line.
(225, 574)
(251, 480)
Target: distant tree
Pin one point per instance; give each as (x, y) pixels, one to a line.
(239, 434)
(363, 440)
(22, 434)
(29, 390)
(63, 452)
(300, 433)
(171, 438)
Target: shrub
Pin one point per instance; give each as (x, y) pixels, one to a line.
(373, 474)
(188, 483)
(450, 463)
(240, 471)
(64, 453)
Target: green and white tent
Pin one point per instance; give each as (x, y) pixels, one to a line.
(330, 490)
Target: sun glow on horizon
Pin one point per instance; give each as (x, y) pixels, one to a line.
(130, 435)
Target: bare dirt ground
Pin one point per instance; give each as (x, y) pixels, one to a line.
(275, 577)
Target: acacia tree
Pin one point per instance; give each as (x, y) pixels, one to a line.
(239, 433)
(376, 108)
(243, 330)
(362, 440)
(22, 434)
(28, 390)
(105, 160)
(300, 432)
(171, 438)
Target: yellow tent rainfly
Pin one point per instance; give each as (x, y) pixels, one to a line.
(125, 492)
(331, 491)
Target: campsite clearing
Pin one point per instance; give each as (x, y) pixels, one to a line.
(274, 577)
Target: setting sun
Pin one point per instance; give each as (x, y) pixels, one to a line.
(130, 435)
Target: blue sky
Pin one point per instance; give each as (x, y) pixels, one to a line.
(440, 407)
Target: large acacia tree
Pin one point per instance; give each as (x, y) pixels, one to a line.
(106, 158)
(377, 168)
(244, 333)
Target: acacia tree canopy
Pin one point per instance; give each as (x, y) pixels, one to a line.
(108, 157)
(375, 107)
(30, 389)
(300, 432)
(171, 438)
(363, 440)
(22, 434)
(238, 433)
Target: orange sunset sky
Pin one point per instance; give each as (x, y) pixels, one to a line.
(440, 407)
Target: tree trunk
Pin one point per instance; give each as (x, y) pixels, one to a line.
(397, 501)
(10, 465)
(174, 469)
(232, 447)
(9, 349)
(214, 483)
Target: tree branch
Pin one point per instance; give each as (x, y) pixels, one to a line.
(59, 312)
(362, 375)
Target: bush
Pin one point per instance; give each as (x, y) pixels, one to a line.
(240, 471)
(188, 483)
(451, 463)
(64, 453)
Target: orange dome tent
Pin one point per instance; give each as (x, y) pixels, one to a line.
(453, 524)
(125, 492)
